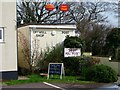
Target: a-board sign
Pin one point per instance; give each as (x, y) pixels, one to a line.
(55, 68)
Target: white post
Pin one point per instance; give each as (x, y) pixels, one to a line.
(48, 71)
(61, 71)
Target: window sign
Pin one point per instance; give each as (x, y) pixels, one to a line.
(1, 34)
(72, 52)
(65, 32)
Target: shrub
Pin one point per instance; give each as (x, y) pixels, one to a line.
(55, 55)
(71, 65)
(23, 71)
(100, 73)
(118, 54)
(75, 65)
(73, 42)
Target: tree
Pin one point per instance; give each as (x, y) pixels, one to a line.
(116, 8)
(28, 57)
(87, 16)
(112, 41)
(95, 39)
(85, 13)
(73, 42)
(35, 12)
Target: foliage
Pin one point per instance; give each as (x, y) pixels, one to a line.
(35, 12)
(118, 54)
(73, 42)
(113, 38)
(75, 65)
(28, 57)
(95, 38)
(100, 73)
(23, 71)
(23, 50)
(112, 42)
(71, 65)
(54, 55)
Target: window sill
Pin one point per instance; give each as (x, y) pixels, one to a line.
(2, 42)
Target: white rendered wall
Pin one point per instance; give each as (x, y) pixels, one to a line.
(49, 40)
(8, 48)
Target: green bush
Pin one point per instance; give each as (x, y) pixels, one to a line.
(74, 42)
(23, 71)
(100, 73)
(71, 65)
(75, 65)
(55, 55)
(118, 54)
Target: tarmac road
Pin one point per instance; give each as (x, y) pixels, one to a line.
(31, 86)
(56, 86)
(53, 86)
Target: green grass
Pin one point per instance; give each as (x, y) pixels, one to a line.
(55, 79)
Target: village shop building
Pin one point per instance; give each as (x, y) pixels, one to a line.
(44, 36)
(8, 40)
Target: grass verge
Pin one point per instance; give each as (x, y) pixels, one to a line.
(55, 79)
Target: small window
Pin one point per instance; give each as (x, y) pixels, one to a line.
(1, 34)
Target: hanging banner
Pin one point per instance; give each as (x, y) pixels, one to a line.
(72, 52)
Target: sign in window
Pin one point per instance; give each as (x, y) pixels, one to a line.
(1, 34)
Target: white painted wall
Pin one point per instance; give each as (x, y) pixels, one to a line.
(0, 45)
(8, 48)
(49, 40)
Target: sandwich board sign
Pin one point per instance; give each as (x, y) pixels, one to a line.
(56, 69)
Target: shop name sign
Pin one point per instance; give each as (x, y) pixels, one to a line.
(72, 52)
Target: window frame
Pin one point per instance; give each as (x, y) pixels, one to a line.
(2, 34)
